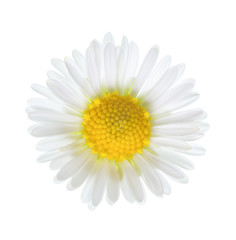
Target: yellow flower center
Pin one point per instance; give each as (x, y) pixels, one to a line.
(116, 127)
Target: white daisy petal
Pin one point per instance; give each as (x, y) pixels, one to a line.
(29, 110)
(82, 174)
(181, 67)
(43, 91)
(82, 83)
(56, 76)
(131, 65)
(108, 39)
(192, 137)
(53, 142)
(121, 61)
(183, 116)
(71, 167)
(182, 102)
(60, 66)
(166, 167)
(60, 161)
(88, 187)
(133, 182)
(126, 192)
(75, 146)
(66, 95)
(110, 65)
(173, 172)
(113, 188)
(172, 157)
(53, 116)
(196, 150)
(145, 69)
(169, 142)
(50, 156)
(175, 94)
(203, 126)
(121, 64)
(166, 185)
(174, 129)
(167, 81)
(45, 104)
(150, 177)
(93, 63)
(51, 129)
(155, 76)
(80, 62)
(125, 45)
(204, 116)
(99, 184)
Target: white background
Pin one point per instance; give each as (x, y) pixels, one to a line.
(201, 34)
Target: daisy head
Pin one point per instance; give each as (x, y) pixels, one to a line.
(112, 127)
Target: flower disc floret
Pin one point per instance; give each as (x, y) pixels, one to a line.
(116, 127)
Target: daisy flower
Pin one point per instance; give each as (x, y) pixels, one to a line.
(113, 128)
